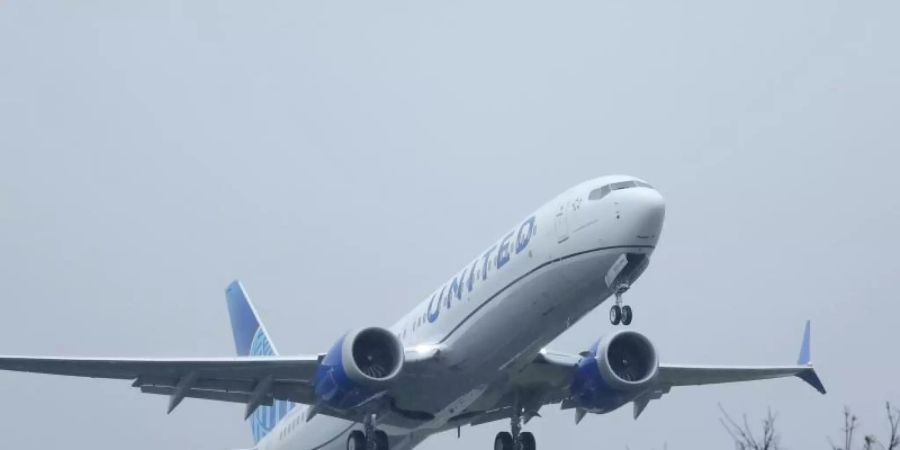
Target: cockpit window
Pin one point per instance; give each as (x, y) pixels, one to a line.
(599, 193)
(622, 185)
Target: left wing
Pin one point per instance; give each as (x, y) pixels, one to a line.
(693, 375)
(254, 381)
(548, 378)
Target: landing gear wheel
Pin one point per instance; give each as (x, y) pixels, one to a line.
(526, 441)
(615, 314)
(381, 440)
(356, 441)
(627, 315)
(504, 441)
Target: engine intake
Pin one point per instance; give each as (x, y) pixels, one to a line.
(627, 360)
(377, 355)
(359, 367)
(616, 370)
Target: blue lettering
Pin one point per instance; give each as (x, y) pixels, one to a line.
(487, 255)
(456, 286)
(472, 275)
(503, 252)
(432, 316)
(525, 233)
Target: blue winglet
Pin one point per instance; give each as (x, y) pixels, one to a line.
(805, 356)
(805, 359)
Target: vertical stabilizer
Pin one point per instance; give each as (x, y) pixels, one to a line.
(252, 339)
(250, 335)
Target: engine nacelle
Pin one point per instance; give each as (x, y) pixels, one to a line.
(616, 370)
(360, 366)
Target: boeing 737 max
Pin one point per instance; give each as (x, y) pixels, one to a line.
(471, 352)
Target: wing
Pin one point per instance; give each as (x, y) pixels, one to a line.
(254, 381)
(547, 379)
(694, 375)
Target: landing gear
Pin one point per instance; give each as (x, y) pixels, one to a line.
(356, 441)
(627, 315)
(517, 439)
(372, 439)
(504, 441)
(381, 440)
(619, 313)
(615, 315)
(527, 442)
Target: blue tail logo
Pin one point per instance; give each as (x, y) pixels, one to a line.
(251, 339)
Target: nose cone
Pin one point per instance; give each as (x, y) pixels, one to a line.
(641, 212)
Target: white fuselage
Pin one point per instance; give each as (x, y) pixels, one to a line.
(499, 310)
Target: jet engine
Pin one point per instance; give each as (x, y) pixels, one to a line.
(616, 370)
(359, 367)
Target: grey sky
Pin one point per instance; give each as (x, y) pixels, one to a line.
(344, 158)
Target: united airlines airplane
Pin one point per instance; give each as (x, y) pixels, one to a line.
(472, 352)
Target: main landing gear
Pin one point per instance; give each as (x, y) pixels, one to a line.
(517, 439)
(372, 439)
(619, 313)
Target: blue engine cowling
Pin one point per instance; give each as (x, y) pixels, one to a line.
(616, 370)
(359, 367)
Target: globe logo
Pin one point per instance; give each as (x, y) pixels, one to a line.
(265, 417)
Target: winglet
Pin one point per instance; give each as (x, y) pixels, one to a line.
(805, 359)
(810, 377)
(805, 356)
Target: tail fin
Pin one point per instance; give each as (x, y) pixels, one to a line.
(250, 335)
(252, 339)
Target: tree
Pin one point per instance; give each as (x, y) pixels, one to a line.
(850, 425)
(744, 437)
(871, 442)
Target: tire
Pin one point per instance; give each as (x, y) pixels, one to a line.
(615, 314)
(527, 442)
(356, 441)
(627, 315)
(504, 441)
(381, 441)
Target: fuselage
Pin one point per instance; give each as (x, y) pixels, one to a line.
(495, 314)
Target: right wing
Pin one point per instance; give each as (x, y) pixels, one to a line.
(254, 381)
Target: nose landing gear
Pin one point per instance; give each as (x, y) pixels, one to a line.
(619, 313)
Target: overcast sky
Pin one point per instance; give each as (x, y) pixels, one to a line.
(343, 158)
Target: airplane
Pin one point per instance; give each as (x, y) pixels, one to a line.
(472, 352)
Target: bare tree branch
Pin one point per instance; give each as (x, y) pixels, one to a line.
(893, 414)
(743, 436)
(850, 425)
